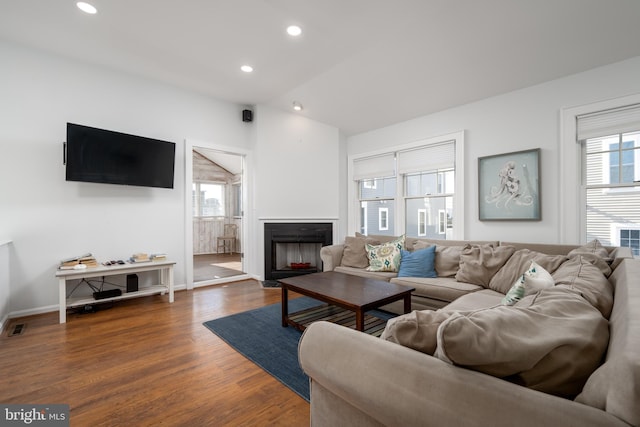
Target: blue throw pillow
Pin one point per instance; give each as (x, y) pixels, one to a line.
(419, 263)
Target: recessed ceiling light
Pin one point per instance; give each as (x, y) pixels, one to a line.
(297, 106)
(294, 30)
(86, 7)
(247, 68)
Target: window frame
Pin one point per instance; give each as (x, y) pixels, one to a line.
(422, 222)
(383, 219)
(458, 213)
(572, 204)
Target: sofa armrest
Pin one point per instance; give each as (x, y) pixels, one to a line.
(396, 385)
(620, 252)
(331, 256)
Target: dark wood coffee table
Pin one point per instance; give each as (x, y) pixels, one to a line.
(351, 293)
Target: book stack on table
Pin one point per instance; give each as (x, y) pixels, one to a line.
(75, 263)
(139, 257)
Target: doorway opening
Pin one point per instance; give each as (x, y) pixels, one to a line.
(217, 215)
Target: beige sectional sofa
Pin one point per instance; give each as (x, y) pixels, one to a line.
(567, 355)
(437, 292)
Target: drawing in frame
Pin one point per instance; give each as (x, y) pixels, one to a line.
(509, 186)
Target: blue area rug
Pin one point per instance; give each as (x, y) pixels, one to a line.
(259, 336)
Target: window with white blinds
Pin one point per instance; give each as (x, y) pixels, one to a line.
(381, 166)
(610, 146)
(408, 191)
(609, 122)
(428, 158)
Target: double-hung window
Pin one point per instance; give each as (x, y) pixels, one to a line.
(411, 191)
(429, 186)
(376, 181)
(610, 143)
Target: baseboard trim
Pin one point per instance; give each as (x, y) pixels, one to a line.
(223, 280)
(33, 311)
(52, 308)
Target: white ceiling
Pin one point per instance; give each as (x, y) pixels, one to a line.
(359, 64)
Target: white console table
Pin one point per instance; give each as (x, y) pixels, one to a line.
(165, 269)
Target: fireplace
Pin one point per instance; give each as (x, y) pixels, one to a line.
(292, 249)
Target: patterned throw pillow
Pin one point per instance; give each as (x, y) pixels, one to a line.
(385, 257)
(533, 280)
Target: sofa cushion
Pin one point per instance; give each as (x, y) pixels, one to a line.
(594, 247)
(551, 341)
(416, 245)
(580, 275)
(418, 263)
(483, 298)
(533, 280)
(447, 242)
(379, 237)
(363, 272)
(355, 253)
(478, 263)
(385, 257)
(416, 330)
(519, 262)
(596, 254)
(448, 260)
(442, 288)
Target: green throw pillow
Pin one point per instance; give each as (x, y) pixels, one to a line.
(533, 280)
(385, 257)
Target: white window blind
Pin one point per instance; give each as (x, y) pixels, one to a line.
(427, 158)
(609, 122)
(374, 167)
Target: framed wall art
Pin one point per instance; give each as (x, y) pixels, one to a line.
(509, 186)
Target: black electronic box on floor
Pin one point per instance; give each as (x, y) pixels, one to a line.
(132, 282)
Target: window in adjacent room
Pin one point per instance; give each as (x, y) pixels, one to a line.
(208, 199)
(610, 142)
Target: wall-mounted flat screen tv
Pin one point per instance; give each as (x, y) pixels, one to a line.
(98, 155)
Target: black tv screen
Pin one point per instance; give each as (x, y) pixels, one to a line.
(98, 155)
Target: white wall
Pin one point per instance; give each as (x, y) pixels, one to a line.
(297, 172)
(297, 162)
(519, 120)
(48, 218)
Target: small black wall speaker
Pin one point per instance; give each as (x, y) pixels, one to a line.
(132, 282)
(247, 115)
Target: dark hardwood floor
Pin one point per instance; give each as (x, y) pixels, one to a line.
(216, 266)
(146, 362)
